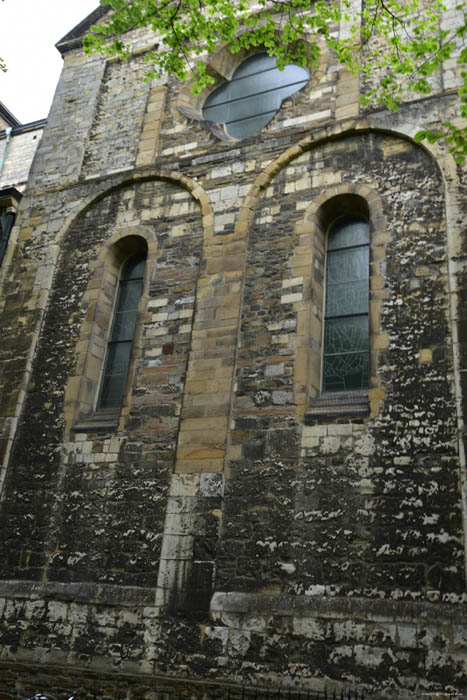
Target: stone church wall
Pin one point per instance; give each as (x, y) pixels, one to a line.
(218, 532)
(19, 155)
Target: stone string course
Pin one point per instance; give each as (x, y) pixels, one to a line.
(213, 537)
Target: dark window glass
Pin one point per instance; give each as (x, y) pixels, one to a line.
(345, 355)
(121, 336)
(7, 219)
(250, 100)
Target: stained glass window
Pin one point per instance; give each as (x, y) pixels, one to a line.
(345, 355)
(250, 100)
(121, 336)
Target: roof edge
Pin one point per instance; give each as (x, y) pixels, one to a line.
(21, 128)
(10, 193)
(74, 37)
(10, 118)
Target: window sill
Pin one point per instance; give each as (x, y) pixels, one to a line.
(348, 404)
(99, 423)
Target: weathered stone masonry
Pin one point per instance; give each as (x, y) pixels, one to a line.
(212, 533)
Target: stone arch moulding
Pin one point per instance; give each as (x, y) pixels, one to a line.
(123, 181)
(82, 387)
(318, 138)
(184, 181)
(220, 66)
(454, 220)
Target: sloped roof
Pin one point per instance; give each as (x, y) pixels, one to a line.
(73, 38)
(8, 117)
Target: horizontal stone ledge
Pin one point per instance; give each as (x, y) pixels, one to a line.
(355, 609)
(79, 592)
(332, 607)
(175, 687)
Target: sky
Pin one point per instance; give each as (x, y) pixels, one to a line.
(29, 30)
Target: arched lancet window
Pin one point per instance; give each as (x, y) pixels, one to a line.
(121, 336)
(7, 219)
(345, 345)
(9, 201)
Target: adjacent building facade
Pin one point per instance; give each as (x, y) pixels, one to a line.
(233, 380)
(18, 144)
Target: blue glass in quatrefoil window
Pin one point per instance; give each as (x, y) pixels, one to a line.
(255, 94)
(345, 344)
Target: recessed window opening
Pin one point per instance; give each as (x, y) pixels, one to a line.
(7, 219)
(346, 338)
(249, 101)
(121, 336)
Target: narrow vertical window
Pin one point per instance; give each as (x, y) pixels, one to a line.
(345, 350)
(7, 219)
(121, 335)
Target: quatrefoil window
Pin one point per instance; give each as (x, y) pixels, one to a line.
(247, 102)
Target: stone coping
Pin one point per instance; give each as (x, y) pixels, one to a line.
(340, 607)
(246, 603)
(93, 593)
